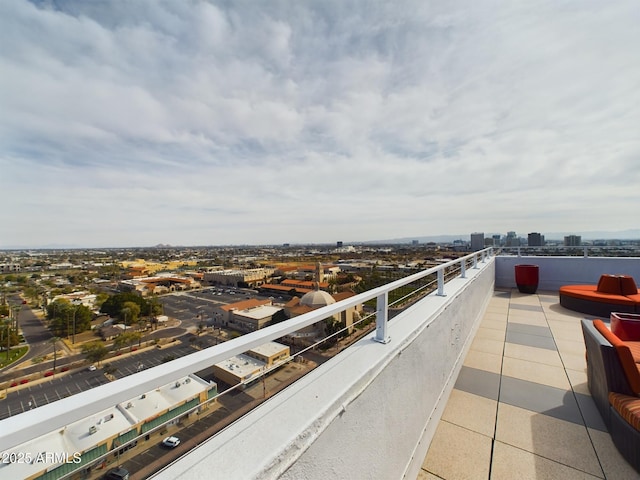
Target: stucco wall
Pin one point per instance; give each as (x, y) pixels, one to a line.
(557, 271)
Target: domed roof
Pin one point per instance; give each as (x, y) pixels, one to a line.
(316, 299)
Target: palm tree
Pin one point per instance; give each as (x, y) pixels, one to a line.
(54, 341)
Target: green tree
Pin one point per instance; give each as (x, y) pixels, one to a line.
(127, 339)
(8, 336)
(130, 313)
(95, 351)
(155, 307)
(109, 369)
(114, 304)
(66, 318)
(60, 314)
(31, 293)
(83, 316)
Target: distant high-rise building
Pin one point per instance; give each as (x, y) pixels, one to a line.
(415, 242)
(535, 239)
(512, 240)
(496, 240)
(572, 241)
(339, 244)
(460, 245)
(477, 241)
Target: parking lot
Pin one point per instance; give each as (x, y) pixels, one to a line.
(149, 454)
(195, 306)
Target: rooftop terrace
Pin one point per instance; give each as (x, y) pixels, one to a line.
(521, 402)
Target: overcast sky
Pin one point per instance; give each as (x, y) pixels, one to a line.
(241, 122)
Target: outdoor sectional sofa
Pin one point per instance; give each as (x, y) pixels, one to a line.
(613, 378)
(614, 293)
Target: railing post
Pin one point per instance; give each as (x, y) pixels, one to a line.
(475, 261)
(586, 252)
(441, 283)
(382, 315)
(463, 268)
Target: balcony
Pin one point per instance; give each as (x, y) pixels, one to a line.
(473, 381)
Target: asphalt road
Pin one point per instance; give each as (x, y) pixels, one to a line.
(190, 308)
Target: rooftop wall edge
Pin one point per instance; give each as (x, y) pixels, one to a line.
(311, 429)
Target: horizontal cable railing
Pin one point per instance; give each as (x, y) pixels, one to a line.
(23, 427)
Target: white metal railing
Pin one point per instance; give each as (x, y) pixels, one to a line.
(28, 425)
(628, 250)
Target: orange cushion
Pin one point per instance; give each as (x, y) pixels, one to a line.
(635, 298)
(629, 365)
(578, 288)
(596, 296)
(628, 285)
(634, 347)
(628, 408)
(609, 284)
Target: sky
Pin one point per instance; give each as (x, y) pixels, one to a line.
(240, 122)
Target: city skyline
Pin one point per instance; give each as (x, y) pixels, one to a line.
(208, 123)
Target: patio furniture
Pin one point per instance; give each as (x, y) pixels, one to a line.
(613, 293)
(613, 378)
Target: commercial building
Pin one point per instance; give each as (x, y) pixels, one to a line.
(535, 239)
(157, 285)
(9, 267)
(512, 240)
(253, 318)
(572, 241)
(86, 442)
(477, 241)
(239, 278)
(248, 366)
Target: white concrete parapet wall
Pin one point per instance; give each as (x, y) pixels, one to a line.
(555, 272)
(370, 412)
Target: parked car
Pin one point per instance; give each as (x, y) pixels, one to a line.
(117, 473)
(92, 368)
(171, 442)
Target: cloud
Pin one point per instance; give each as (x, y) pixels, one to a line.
(213, 122)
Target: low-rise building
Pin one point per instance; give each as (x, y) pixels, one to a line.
(79, 298)
(249, 366)
(157, 285)
(248, 315)
(86, 442)
(238, 278)
(9, 267)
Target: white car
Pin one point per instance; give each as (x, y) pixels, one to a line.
(171, 442)
(92, 368)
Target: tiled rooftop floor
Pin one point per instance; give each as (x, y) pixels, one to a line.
(521, 407)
